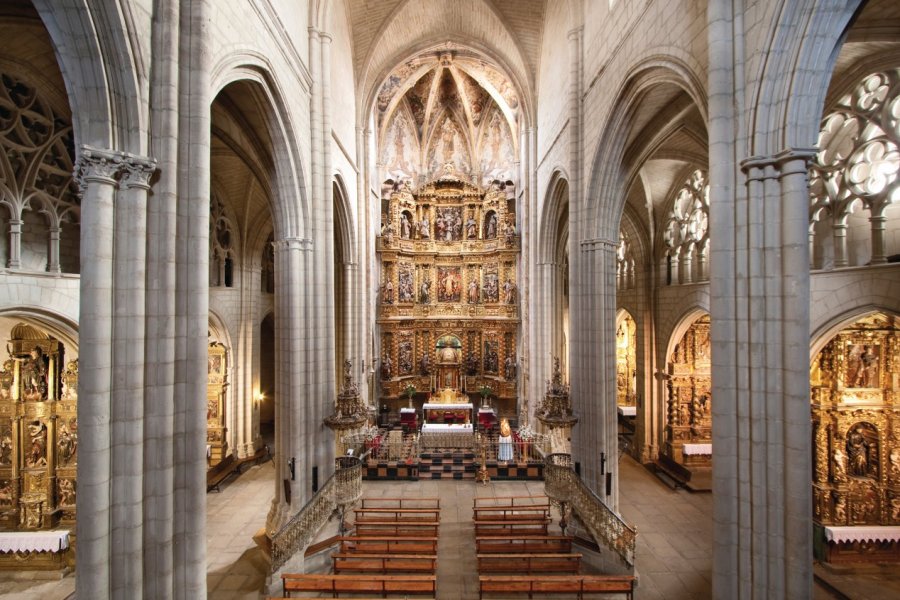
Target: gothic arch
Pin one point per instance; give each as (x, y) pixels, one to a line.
(555, 208)
(290, 217)
(102, 71)
(797, 68)
(607, 179)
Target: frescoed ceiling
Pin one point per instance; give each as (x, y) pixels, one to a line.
(447, 105)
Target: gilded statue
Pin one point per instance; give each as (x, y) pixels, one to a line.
(66, 489)
(34, 374)
(387, 367)
(66, 445)
(840, 464)
(37, 454)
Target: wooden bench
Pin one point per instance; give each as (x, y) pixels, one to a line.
(529, 563)
(394, 528)
(511, 513)
(543, 585)
(400, 503)
(519, 545)
(413, 585)
(512, 528)
(510, 501)
(360, 562)
(219, 473)
(405, 515)
(389, 545)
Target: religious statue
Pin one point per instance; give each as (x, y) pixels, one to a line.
(510, 233)
(840, 508)
(894, 459)
(387, 367)
(387, 294)
(406, 286)
(472, 295)
(424, 365)
(34, 374)
(858, 452)
(349, 386)
(471, 364)
(425, 292)
(491, 227)
(505, 451)
(869, 368)
(37, 454)
(66, 445)
(424, 230)
(6, 447)
(66, 492)
(448, 354)
(406, 359)
(840, 465)
(509, 292)
(471, 228)
(509, 367)
(388, 234)
(404, 226)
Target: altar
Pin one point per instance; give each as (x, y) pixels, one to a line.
(447, 424)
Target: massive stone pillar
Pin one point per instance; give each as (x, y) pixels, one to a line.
(192, 302)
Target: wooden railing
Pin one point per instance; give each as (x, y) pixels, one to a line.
(564, 486)
(341, 490)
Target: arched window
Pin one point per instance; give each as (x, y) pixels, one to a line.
(856, 170)
(221, 249)
(686, 234)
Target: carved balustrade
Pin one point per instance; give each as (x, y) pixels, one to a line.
(564, 486)
(342, 489)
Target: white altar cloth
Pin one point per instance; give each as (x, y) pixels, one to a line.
(628, 411)
(690, 449)
(862, 534)
(447, 428)
(34, 541)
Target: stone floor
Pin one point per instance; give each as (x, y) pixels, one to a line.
(673, 552)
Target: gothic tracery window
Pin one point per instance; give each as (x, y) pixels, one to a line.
(624, 263)
(686, 233)
(221, 246)
(856, 169)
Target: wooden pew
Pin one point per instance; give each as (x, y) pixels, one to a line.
(511, 501)
(511, 513)
(504, 544)
(400, 503)
(389, 545)
(394, 528)
(384, 563)
(512, 528)
(544, 585)
(529, 563)
(412, 585)
(219, 473)
(405, 515)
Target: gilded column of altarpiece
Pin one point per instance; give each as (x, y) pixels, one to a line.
(856, 430)
(38, 433)
(449, 294)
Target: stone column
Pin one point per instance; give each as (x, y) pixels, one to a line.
(15, 242)
(129, 313)
(878, 222)
(53, 250)
(292, 415)
(840, 242)
(97, 170)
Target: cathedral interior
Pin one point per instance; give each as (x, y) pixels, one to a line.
(480, 241)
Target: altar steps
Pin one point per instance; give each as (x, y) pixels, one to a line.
(447, 465)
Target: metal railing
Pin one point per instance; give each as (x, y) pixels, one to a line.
(564, 486)
(342, 489)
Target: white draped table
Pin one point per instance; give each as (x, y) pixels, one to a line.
(862, 534)
(34, 541)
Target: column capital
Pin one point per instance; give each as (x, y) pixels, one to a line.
(789, 161)
(137, 171)
(575, 33)
(97, 165)
(293, 243)
(598, 244)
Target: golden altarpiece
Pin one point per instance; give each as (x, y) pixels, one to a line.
(38, 440)
(216, 386)
(448, 307)
(688, 433)
(854, 382)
